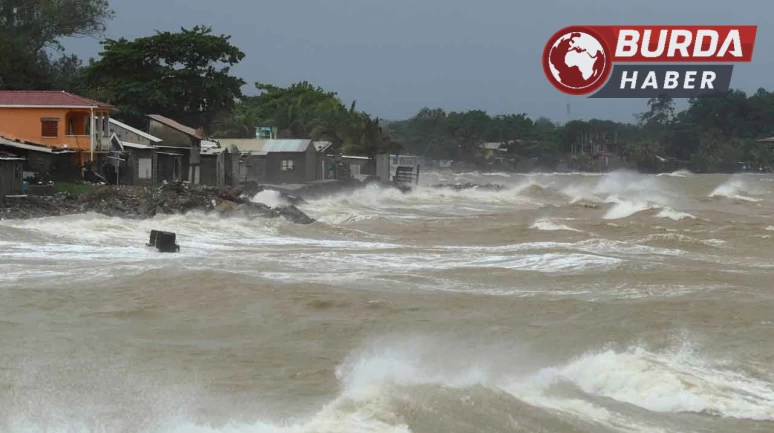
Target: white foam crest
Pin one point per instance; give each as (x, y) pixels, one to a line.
(625, 208)
(678, 173)
(632, 193)
(269, 197)
(375, 201)
(547, 224)
(340, 416)
(733, 189)
(674, 214)
(674, 381)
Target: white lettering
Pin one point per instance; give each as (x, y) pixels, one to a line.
(732, 38)
(670, 81)
(625, 79)
(646, 51)
(627, 43)
(713, 45)
(707, 78)
(690, 77)
(650, 81)
(679, 41)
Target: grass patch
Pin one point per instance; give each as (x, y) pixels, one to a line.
(75, 189)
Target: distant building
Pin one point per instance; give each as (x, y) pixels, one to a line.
(359, 165)
(272, 161)
(135, 155)
(403, 169)
(179, 156)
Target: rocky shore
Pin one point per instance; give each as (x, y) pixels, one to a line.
(144, 202)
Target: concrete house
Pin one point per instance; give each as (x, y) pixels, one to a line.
(58, 120)
(179, 156)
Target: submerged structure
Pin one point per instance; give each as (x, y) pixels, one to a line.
(164, 242)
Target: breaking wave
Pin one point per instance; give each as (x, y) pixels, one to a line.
(393, 384)
(547, 224)
(735, 188)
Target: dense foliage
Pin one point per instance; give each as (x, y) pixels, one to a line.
(30, 33)
(306, 111)
(713, 133)
(184, 75)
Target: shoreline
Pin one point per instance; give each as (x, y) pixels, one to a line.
(137, 202)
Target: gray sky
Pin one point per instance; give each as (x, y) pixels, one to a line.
(397, 56)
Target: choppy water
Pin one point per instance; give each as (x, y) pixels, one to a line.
(566, 303)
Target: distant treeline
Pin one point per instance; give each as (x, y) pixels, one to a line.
(186, 75)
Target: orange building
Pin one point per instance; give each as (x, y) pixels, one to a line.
(56, 119)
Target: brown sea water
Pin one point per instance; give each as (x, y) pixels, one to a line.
(564, 303)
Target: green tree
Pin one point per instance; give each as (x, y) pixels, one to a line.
(28, 28)
(185, 75)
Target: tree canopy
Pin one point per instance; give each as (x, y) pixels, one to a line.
(184, 75)
(303, 110)
(30, 34)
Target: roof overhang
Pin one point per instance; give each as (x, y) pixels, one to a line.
(72, 107)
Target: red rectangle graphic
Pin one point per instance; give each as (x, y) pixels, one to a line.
(679, 44)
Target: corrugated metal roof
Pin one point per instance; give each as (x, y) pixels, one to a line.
(136, 145)
(135, 130)
(254, 145)
(31, 146)
(286, 145)
(195, 133)
(46, 98)
(243, 144)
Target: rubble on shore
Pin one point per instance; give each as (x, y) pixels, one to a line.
(463, 186)
(136, 202)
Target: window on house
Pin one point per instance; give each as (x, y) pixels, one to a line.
(49, 127)
(288, 165)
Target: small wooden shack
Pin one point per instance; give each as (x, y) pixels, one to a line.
(11, 174)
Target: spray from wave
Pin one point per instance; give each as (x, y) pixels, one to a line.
(735, 188)
(393, 384)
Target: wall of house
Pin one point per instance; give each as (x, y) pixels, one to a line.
(367, 166)
(165, 167)
(310, 171)
(25, 124)
(188, 145)
(213, 169)
(383, 167)
(10, 177)
(129, 136)
(140, 163)
(170, 136)
(275, 174)
(255, 168)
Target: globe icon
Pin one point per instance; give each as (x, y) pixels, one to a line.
(577, 60)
